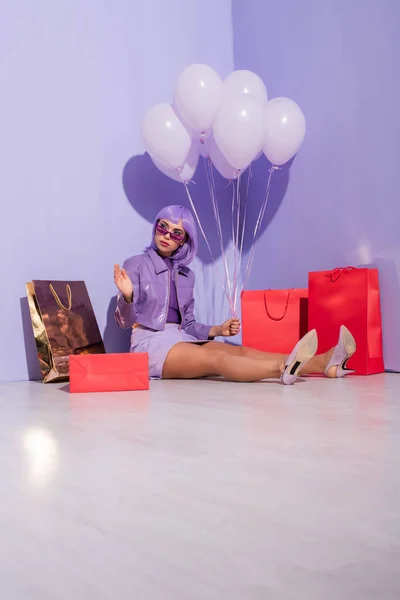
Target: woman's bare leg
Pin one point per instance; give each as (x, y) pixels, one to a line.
(317, 364)
(190, 361)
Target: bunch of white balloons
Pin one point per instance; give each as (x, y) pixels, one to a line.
(230, 121)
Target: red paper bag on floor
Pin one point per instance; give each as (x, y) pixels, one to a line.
(274, 320)
(109, 372)
(348, 297)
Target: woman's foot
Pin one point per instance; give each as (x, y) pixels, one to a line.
(303, 352)
(341, 354)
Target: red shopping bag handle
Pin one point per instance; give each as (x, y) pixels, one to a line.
(286, 307)
(338, 272)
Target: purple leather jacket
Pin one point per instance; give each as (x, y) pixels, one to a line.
(151, 281)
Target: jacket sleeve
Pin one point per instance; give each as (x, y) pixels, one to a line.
(125, 314)
(197, 330)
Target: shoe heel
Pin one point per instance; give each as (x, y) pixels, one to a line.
(340, 372)
(301, 355)
(349, 342)
(344, 350)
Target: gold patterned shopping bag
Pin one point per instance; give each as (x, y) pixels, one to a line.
(63, 323)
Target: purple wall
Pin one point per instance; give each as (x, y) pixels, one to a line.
(339, 61)
(75, 80)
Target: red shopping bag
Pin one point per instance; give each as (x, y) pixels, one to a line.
(350, 297)
(274, 320)
(109, 372)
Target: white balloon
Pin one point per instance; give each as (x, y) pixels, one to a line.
(246, 82)
(239, 129)
(164, 136)
(197, 95)
(187, 171)
(285, 130)
(220, 163)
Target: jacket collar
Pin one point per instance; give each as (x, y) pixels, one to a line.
(159, 264)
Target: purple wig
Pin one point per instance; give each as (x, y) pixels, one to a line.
(186, 253)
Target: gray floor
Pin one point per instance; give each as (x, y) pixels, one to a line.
(201, 490)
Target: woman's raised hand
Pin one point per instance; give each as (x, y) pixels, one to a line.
(123, 283)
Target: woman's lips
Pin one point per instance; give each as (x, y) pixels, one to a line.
(165, 244)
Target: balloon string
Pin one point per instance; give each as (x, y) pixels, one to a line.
(233, 212)
(233, 240)
(244, 222)
(272, 170)
(237, 253)
(245, 212)
(212, 189)
(207, 242)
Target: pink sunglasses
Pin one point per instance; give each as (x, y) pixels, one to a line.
(162, 229)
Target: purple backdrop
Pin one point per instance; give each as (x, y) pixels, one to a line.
(339, 60)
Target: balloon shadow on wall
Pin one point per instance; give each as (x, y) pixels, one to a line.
(148, 191)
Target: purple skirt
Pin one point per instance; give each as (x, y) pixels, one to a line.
(157, 344)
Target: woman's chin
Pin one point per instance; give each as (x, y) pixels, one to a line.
(164, 251)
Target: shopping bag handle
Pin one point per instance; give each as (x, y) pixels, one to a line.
(338, 272)
(286, 307)
(57, 299)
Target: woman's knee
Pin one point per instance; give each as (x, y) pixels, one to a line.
(214, 359)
